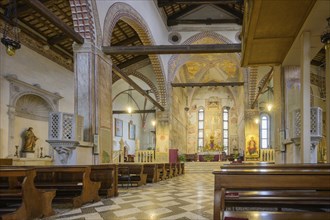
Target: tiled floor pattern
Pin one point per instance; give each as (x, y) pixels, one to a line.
(188, 196)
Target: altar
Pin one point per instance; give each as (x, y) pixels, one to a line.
(209, 156)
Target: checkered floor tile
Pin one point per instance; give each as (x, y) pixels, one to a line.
(188, 196)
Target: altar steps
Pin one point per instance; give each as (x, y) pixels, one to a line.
(202, 167)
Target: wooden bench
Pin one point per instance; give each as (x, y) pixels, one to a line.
(299, 187)
(161, 172)
(33, 203)
(137, 176)
(72, 183)
(106, 174)
(151, 171)
(168, 170)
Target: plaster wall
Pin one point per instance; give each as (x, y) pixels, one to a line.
(32, 68)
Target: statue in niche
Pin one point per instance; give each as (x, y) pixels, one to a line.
(211, 146)
(30, 140)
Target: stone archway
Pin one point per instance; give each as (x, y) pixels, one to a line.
(123, 11)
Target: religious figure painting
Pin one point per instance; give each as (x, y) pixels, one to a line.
(251, 148)
(118, 127)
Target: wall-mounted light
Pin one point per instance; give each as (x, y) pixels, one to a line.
(256, 120)
(10, 34)
(269, 107)
(153, 122)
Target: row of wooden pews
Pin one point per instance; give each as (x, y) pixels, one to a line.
(142, 173)
(291, 186)
(35, 188)
(28, 192)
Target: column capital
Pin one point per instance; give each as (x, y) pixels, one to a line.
(86, 47)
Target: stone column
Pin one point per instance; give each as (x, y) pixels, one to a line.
(11, 131)
(163, 132)
(327, 76)
(93, 101)
(305, 103)
(278, 122)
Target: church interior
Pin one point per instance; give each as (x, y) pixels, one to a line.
(165, 109)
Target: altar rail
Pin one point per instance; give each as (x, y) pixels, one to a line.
(144, 156)
(162, 157)
(267, 155)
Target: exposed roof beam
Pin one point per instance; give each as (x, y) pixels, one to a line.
(173, 49)
(232, 11)
(132, 61)
(134, 111)
(135, 86)
(183, 85)
(182, 12)
(172, 22)
(23, 9)
(44, 11)
(162, 3)
(265, 83)
(129, 40)
(56, 39)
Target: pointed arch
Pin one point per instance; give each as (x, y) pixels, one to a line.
(123, 11)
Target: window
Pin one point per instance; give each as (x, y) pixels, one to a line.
(264, 131)
(200, 129)
(225, 128)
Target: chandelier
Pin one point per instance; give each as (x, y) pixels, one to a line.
(10, 34)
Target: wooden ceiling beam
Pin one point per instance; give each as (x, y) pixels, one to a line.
(135, 86)
(127, 41)
(162, 3)
(173, 49)
(56, 39)
(182, 12)
(45, 12)
(172, 22)
(209, 84)
(132, 61)
(134, 111)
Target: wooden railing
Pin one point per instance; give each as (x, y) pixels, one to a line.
(144, 156)
(267, 155)
(118, 156)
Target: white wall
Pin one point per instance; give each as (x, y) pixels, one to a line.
(32, 68)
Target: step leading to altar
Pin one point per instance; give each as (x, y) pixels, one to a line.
(202, 167)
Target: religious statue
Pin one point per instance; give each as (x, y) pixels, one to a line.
(212, 146)
(30, 140)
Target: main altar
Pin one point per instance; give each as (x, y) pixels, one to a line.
(210, 152)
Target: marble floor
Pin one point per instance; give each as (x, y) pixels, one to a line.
(189, 196)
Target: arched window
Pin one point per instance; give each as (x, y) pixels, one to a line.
(200, 128)
(264, 131)
(225, 129)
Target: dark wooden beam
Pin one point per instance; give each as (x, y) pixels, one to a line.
(25, 9)
(171, 22)
(232, 11)
(56, 39)
(265, 83)
(45, 12)
(182, 12)
(162, 3)
(210, 84)
(135, 86)
(173, 49)
(132, 61)
(134, 111)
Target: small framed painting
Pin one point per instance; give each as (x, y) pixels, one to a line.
(118, 127)
(131, 131)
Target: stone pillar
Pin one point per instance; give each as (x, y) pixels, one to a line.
(11, 131)
(327, 76)
(162, 134)
(277, 109)
(305, 103)
(93, 99)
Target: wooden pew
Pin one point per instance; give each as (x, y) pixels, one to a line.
(151, 171)
(34, 203)
(106, 174)
(169, 170)
(72, 183)
(161, 172)
(302, 184)
(136, 174)
(276, 166)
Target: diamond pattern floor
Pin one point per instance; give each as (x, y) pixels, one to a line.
(188, 196)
